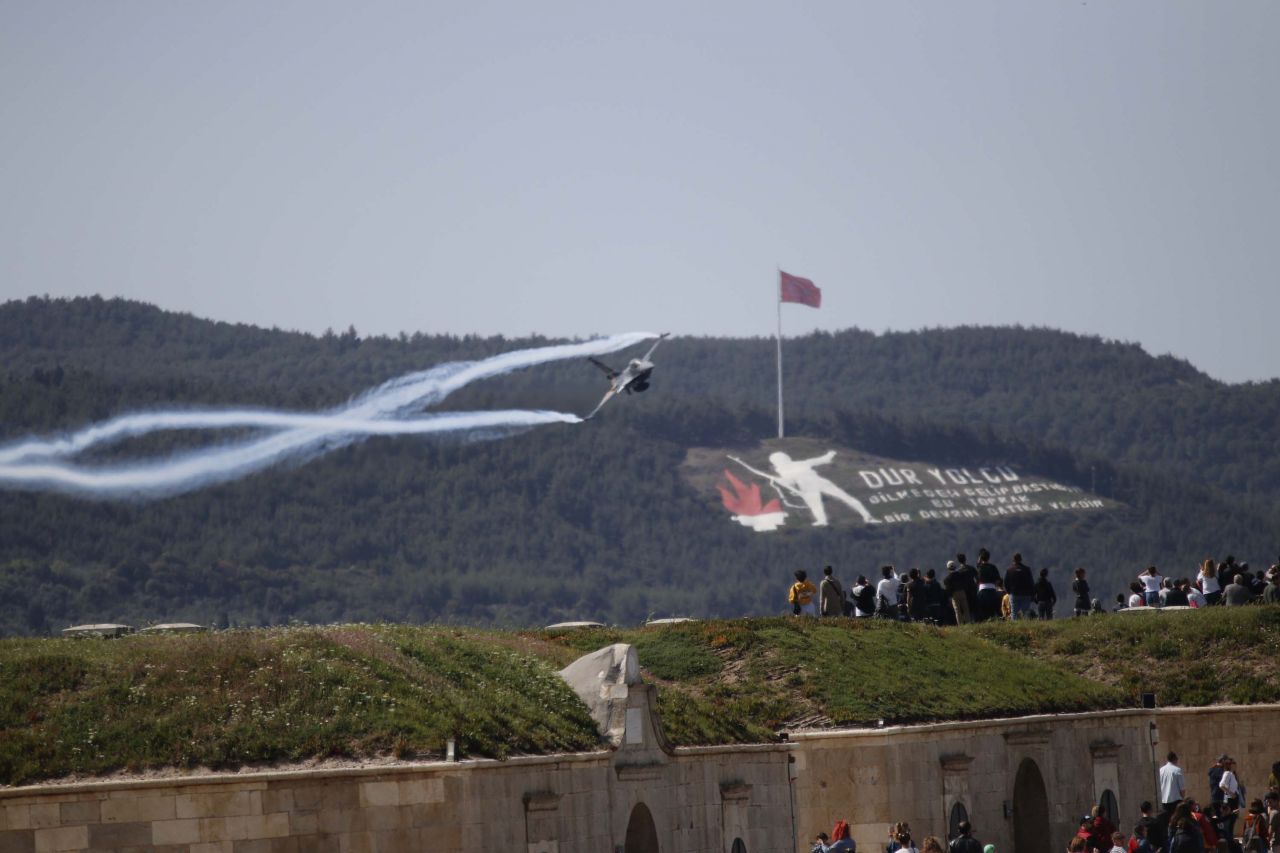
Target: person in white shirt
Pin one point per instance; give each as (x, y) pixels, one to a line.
(1172, 785)
(1196, 597)
(1136, 598)
(1230, 784)
(1207, 580)
(1151, 584)
(1117, 843)
(887, 594)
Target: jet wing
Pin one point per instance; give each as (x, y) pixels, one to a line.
(608, 395)
(608, 371)
(660, 339)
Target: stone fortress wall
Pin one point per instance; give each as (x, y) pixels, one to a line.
(1024, 783)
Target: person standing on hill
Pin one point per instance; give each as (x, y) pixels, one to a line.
(935, 597)
(917, 600)
(1021, 586)
(887, 594)
(954, 585)
(1080, 587)
(864, 598)
(1045, 596)
(831, 595)
(1207, 580)
(1151, 583)
(1177, 596)
(1271, 595)
(988, 587)
(801, 594)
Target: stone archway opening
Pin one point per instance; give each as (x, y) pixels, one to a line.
(739, 846)
(1109, 807)
(1030, 810)
(958, 814)
(642, 835)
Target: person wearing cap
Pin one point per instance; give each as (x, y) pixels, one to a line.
(989, 848)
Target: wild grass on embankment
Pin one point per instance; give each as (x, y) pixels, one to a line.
(1188, 657)
(239, 697)
(235, 697)
(739, 681)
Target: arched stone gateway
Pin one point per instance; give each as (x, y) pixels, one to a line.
(642, 835)
(1030, 810)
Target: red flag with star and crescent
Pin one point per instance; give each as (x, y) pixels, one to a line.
(797, 289)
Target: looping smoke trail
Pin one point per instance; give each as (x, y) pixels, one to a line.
(300, 437)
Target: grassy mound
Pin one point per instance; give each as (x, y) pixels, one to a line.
(739, 681)
(238, 697)
(221, 700)
(1204, 657)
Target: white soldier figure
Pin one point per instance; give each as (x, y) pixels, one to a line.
(798, 477)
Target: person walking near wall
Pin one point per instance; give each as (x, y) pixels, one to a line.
(1253, 835)
(965, 842)
(1215, 778)
(1184, 833)
(1173, 786)
(1273, 820)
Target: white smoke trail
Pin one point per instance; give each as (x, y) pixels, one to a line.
(380, 411)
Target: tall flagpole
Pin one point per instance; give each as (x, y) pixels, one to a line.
(777, 293)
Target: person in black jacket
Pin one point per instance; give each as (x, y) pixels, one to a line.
(989, 593)
(965, 842)
(1045, 597)
(1080, 587)
(935, 599)
(1021, 586)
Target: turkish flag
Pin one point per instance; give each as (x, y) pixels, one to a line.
(797, 289)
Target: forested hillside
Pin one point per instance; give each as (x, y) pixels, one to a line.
(594, 521)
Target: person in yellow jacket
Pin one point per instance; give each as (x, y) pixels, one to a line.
(801, 594)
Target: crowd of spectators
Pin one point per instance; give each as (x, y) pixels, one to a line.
(1227, 823)
(977, 593)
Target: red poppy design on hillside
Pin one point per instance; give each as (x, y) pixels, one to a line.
(745, 499)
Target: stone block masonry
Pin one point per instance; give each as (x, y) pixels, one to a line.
(1022, 782)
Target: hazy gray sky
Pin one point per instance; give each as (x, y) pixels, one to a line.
(1103, 167)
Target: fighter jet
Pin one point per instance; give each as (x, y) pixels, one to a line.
(633, 377)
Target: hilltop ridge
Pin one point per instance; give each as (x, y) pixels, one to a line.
(598, 521)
